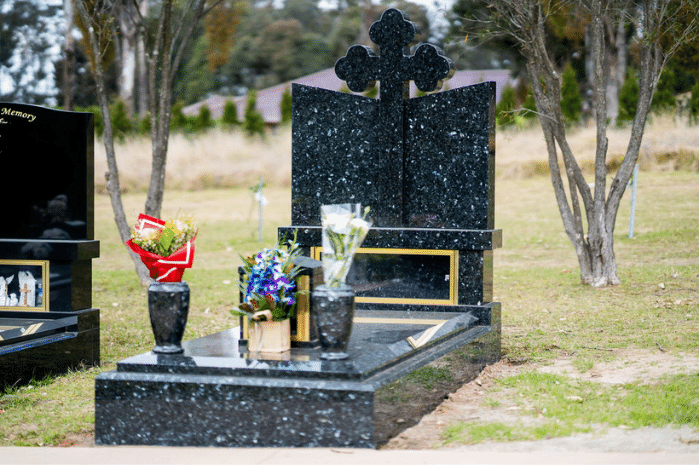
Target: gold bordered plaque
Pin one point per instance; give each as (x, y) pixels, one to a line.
(24, 285)
(301, 325)
(449, 296)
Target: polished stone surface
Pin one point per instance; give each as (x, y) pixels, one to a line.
(48, 217)
(218, 394)
(49, 154)
(428, 174)
(168, 309)
(393, 68)
(59, 341)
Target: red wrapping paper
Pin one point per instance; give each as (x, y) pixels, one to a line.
(164, 269)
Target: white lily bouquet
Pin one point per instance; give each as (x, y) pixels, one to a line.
(344, 228)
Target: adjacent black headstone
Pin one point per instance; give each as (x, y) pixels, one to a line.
(47, 323)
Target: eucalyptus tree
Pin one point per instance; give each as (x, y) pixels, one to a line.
(661, 28)
(165, 33)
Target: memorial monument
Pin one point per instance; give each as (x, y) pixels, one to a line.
(425, 166)
(47, 323)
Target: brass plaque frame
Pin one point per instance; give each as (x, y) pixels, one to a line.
(43, 271)
(453, 275)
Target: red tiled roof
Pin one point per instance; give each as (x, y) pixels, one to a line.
(269, 99)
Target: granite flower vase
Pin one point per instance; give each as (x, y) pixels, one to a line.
(269, 336)
(168, 308)
(333, 311)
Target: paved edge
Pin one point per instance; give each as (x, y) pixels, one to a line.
(169, 455)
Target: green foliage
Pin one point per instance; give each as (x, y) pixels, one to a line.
(664, 96)
(628, 98)
(144, 125)
(565, 406)
(196, 78)
(504, 111)
(203, 120)
(286, 106)
(427, 376)
(121, 124)
(571, 103)
(529, 106)
(230, 114)
(253, 124)
(178, 120)
(372, 93)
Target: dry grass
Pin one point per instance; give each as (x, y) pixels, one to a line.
(216, 159)
(222, 159)
(668, 145)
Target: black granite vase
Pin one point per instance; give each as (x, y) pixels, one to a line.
(168, 307)
(333, 310)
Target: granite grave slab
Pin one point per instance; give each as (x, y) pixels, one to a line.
(218, 394)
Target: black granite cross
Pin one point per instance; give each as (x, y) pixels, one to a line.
(394, 68)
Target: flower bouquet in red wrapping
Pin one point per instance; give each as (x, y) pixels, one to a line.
(165, 247)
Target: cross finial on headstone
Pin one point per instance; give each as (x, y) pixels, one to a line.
(393, 33)
(394, 68)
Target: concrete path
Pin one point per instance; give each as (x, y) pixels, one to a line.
(461, 456)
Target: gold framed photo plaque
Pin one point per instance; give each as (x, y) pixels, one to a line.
(403, 276)
(24, 285)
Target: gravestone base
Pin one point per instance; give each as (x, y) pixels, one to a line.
(218, 394)
(47, 343)
(65, 336)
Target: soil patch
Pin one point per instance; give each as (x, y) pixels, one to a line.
(627, 366)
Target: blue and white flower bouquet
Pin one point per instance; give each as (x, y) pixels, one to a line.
(269, 290)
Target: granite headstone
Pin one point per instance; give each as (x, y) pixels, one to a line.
(47, 323)
(425, 166)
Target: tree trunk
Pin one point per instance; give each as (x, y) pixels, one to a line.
(112, 175)
(164, 61)
(525, 21)
(127, 72)
(68, 57)
(141, 68)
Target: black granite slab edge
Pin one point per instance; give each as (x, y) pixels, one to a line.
(42, 339)
(408, 238)
(54, 354)
(171, 410)
(424, 357)
(424, 307)
(213, 378)
(35, 315)
(39, 249)
(367, 357)
(367, 385)
(23, 330)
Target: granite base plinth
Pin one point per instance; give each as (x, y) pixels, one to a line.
(47, 343)
(218, 394)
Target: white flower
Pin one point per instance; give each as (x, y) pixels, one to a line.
(360, 224)
(149, 234)
(336, 222)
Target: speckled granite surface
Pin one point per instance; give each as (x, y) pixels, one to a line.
(218, 394)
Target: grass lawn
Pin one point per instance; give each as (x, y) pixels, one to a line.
(547, 313)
